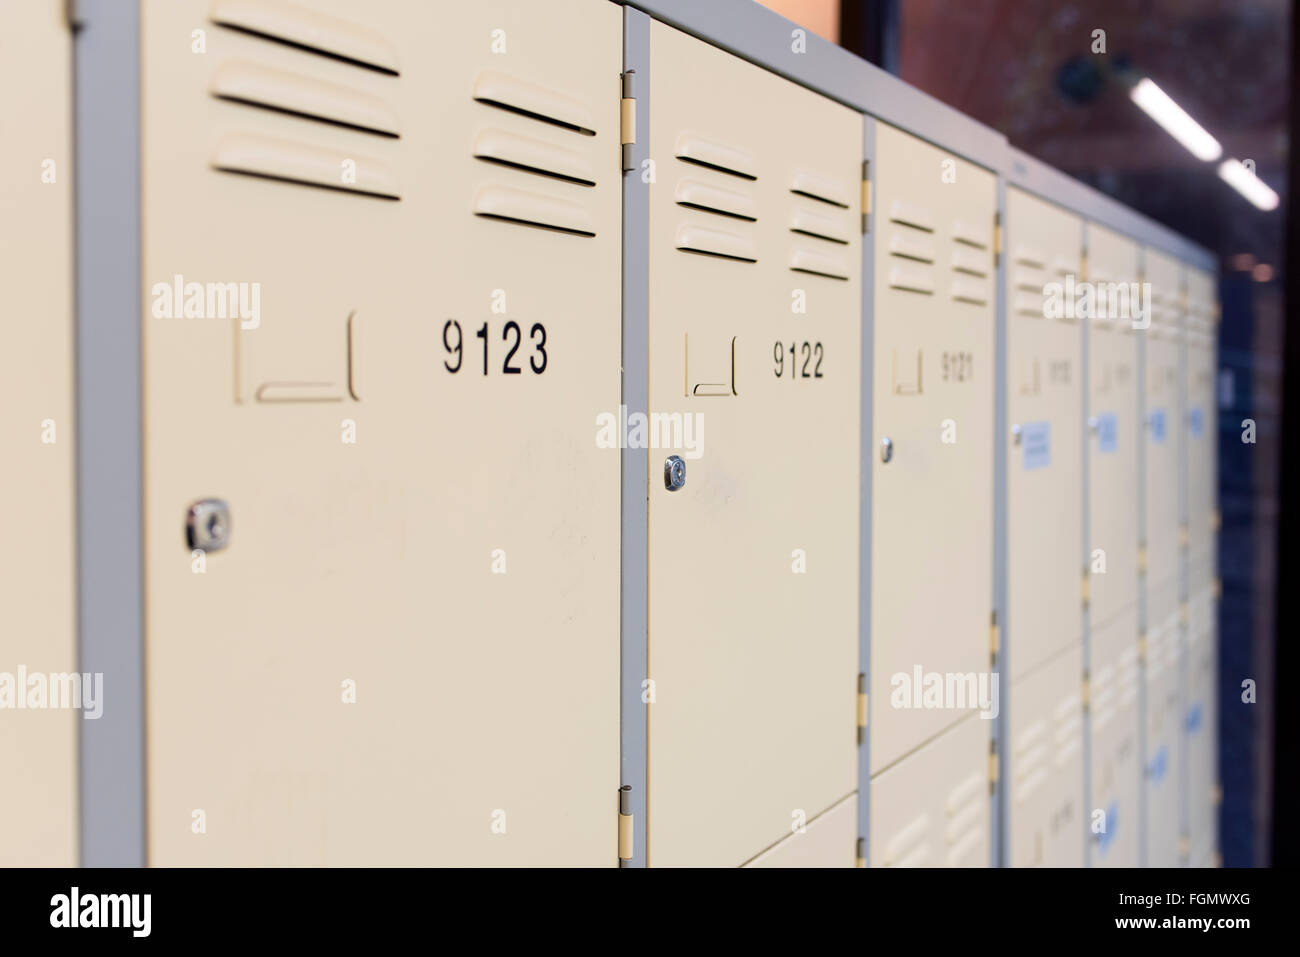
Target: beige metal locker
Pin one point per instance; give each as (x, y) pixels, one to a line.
(932, 454)
(1113, 426)
(755, 318)
(1044, 408)
(1163, 641)
(38, 742)
(1164, 418)
(1115, 761)
(408, 653)
(1163, 770)
(931, 809)
(1044, 765)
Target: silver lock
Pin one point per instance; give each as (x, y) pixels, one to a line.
(674, 473)
(1016, 434)
(1092, 424)
(207, 526)
(886, 449)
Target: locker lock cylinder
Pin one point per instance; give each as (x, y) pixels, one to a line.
(207, 525)
(674, 473)
(1016, 432)
(886, 449)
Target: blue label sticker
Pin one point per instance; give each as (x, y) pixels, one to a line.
(1195, 422)
(1193, 721)
(1107, 432)
(1159, 764)
(1158, 425)
(1036, 437)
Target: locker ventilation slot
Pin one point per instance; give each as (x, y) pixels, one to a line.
(257, 86)
(816, 264)
(906, 247)
(533, 101)
(724, 159)
(708, 198)
(1068, 736)
(965, 809)
(533, 156)
(527, 208)
(303, 29)
(290, 162)
(820, 188)
(908, 214)
(969, 235)
(718, 243)
(808, 223)
(1031, 755)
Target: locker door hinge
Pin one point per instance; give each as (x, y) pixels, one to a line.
(1183, 536)
(862, 706)
(627, 120)
(625, 819)
(866, 196)
(1218, 588)
(1142, 559)
(1142, 648)
(74, 14)
(860, 855)
(1183, 616)
(1184, 846)
(1086, 692)
(997, 239)
(995, 636)
(993, 767)
(1216, 519)
(1083, 264)
(1084, 588)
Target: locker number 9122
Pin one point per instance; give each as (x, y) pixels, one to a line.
(811, 354)
(453, 340)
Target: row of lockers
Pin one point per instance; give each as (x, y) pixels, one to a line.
(439, 574)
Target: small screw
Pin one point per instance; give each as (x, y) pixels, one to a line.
(886, 449)
(207, 525)
(674, 473)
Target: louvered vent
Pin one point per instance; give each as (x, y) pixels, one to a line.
(336, 104)
(965, 810)
(912, 249)
(719, 197)
(543, 142)
(972, 262)
(821, 223)
(1028, 277)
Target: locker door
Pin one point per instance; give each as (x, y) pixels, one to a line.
(1162, 763)
(38, 746)
(408, 652)
(1113, 546)
(1115, 761)
(1163, 417)
(1112, 412)
(931, 809)
(1044, 765)
(933, 405)
(1164, 413)
(1044, 407)
(755, 317)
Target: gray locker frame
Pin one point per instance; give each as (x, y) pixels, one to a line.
(109, 305)
(110, 496)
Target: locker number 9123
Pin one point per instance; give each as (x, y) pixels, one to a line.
(453, 340)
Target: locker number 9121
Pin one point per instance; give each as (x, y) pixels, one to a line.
(453, 340)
